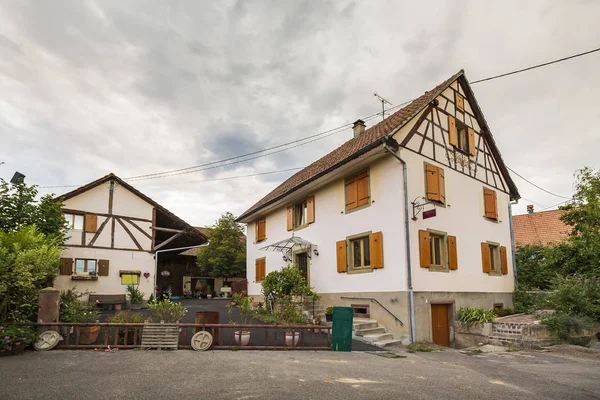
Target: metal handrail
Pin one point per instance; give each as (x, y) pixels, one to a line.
(376, 301)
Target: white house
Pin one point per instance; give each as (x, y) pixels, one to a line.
(115, 232)
(406, 222)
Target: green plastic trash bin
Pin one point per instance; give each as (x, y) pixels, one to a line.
(341, 337)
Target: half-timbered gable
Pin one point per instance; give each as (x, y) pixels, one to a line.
(451, 132)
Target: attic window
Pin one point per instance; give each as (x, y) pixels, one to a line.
(463, 137)
(74, 221)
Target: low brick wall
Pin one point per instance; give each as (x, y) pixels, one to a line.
(469, 335)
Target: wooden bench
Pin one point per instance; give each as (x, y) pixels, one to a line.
(106, 299)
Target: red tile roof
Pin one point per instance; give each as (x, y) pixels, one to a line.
(352, 147)
(541, 228)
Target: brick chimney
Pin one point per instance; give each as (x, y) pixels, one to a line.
(358, 127)
(529, 208)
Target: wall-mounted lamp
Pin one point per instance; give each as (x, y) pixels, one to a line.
(316, 252)
(285, 259)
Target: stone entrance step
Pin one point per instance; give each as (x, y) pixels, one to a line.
(369, 331)
(389, 342)
(378, 337)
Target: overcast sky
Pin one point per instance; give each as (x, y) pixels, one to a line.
(138, 87)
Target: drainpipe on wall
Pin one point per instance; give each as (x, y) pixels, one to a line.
(512, 241)
(165, 250)
(411, 296)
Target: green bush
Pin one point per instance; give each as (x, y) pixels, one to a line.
(576, 295)
(78, 311)
(503, 312)
(567, 326)
(166, 310)
(286, 282)
(135, 294)
(474, 315)
(126, 317)
(12, 336)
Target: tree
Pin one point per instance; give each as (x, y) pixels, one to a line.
(18, 207)
(28, 259)
(225, 257)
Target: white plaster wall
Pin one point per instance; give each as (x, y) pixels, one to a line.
(331, 225)
(119, 260)
(129, 204)
(94, 200)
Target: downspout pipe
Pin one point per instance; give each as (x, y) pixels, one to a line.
(512, 241)
(411, 296)
(164, 251)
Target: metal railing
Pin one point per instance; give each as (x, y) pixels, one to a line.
(376, 301)
(129, 336)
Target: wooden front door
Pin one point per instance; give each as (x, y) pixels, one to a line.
(302, 263)
(439, 324)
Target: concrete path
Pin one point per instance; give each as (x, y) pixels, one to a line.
(296, 375)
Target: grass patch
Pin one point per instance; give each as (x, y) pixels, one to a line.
(513, 347)
(423, 347)
(478, 351)
(389, 354)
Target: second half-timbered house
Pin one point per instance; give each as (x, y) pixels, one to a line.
(405, 222)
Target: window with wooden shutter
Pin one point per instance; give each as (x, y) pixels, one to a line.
(103, 267)
(452, 253)
(357, 191)
(260, 269)
(290, 218)
(435, 189)
(452, 133)
(310, 203)
(376, 249)
(503, 260)
(425, 249)
(261, 230)
(471, 142)
(91, 223)
(66, 266)
(490, 204)
(485, 258)
(460, 102)
(341, 255)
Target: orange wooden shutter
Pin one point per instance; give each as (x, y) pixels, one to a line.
(310, 205)
(489, 200)
(103, 267)
(452, 253)
(485, 257)
(376, 248)
(453, 134)
(362, 188)
(261, 230)
(66, 266)
(341, 256)
(290, 218)
(425, 248)
(260, 269)
(91, 223)
(351, 194)
(471, 141)
(432, 182)
(460, 102)
(442, 185)
(504, 260)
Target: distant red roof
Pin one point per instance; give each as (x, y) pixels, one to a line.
(541, 228)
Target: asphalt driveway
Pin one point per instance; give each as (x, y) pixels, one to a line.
(128, 374)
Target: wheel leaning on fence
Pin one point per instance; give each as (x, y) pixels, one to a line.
(47, 341)
(202, 341)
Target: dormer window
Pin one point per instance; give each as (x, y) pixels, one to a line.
(461, 136)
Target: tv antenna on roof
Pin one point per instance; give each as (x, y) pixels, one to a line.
(383, 101)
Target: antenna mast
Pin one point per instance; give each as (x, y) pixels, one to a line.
(383, 101)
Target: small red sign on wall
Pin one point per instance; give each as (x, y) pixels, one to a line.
(429, 213)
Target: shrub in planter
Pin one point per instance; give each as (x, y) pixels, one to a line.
(567, 327)
(14, 339)
(329, 314)
(127, 317)
(167, 311)
(136, 297)
(77, 311)
(244, 305)
(475, 315)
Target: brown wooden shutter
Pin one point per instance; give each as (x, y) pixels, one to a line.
(341, 256)
(442, 185)
(103, 267)
(425, 248)
(351, 194)
(490, 203)
(260, 269)
(91, 223)
(485, 258)
(290, 218)
(460, 102)
(66, 266)
(504, 260)
(432, 182)
(376, 248)
(453, 134)
(362, 189)
(310, 205)
(471, 141)
(452, 253)
(261, 230)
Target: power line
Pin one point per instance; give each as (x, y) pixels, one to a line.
(541, 188)
(562, 202)
(536, 66)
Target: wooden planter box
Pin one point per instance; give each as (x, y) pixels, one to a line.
(160, 336)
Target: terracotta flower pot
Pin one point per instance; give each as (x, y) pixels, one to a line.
(245, 338)
(291, 338)
(88, 334)
(118, 307)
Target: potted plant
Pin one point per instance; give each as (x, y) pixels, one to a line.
(127, 317)
(318, 322)
(14, 339)
(329, 314)
(136, 297)
(77, 311)
(166, 311)
(244, 304)
(208, 292)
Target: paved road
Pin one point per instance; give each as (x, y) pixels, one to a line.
(296, 375)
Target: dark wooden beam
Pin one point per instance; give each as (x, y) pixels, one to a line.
(106, 248)
(80, 212)
(129, 233)
(137, 227)
(169, 240)
(98, 232)
(153, 231)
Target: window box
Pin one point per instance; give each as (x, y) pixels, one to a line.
(84, 277)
